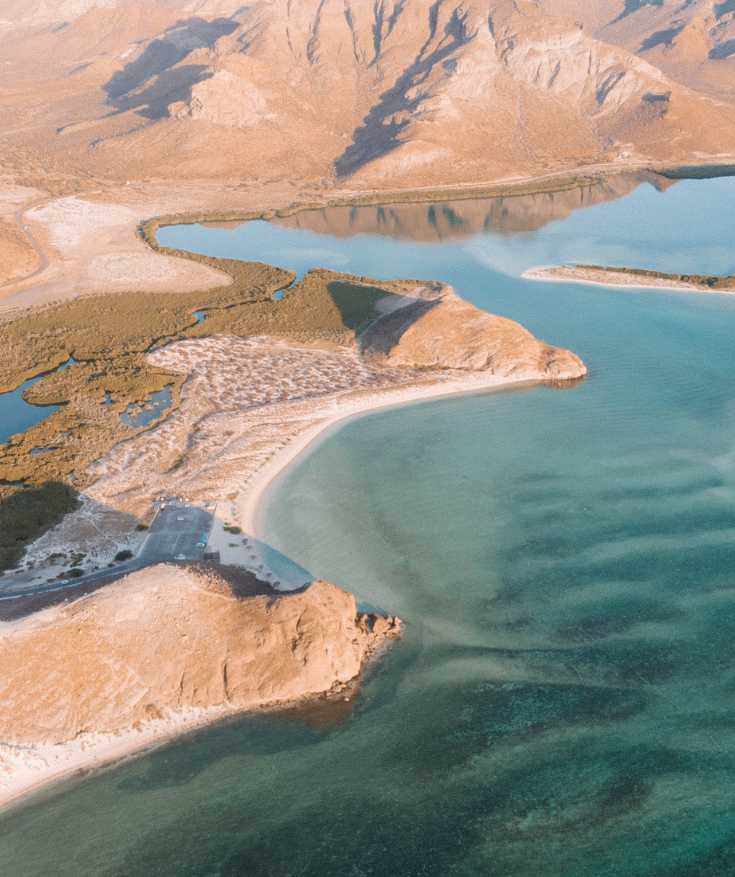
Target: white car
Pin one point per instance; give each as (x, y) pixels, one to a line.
(180, 557)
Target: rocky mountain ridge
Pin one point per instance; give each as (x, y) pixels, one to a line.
(340, 90)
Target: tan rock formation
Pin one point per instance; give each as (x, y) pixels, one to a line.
(168, 640)
(450, 333)
(373, 93)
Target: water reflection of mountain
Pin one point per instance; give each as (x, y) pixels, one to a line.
(465, 218)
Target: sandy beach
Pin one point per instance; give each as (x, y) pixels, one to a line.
(616, 279)
(24, 770)
(250, 503)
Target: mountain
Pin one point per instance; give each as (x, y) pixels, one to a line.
(693, 41)
(364, 93)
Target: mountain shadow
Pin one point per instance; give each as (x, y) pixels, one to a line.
(157, 60)
(724, 50)
(28, 513)
(380, 131)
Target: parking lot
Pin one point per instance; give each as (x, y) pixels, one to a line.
(178, 532)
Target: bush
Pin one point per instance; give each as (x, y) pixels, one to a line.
(75, 573)
(233, 529)
(28, 513)
(125, 554)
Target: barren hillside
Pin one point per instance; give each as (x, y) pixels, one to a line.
(370, 93)
(170, 639)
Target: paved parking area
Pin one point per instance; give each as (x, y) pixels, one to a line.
(178, 532)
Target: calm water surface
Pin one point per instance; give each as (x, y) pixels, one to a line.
(17, 415)
(564, 700)
(150, 409)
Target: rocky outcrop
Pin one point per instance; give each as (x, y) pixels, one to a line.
(168, 640)
(450, 333)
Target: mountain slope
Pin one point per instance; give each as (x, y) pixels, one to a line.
(370, 93)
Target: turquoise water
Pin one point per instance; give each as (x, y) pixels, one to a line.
(563, 702)
(17, 415)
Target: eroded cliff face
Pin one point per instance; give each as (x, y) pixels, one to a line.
(167, 640)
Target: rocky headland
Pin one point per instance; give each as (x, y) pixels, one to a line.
(162, 651)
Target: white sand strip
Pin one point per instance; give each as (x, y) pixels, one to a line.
(249, 504)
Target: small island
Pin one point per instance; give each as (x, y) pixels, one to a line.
(634, 278)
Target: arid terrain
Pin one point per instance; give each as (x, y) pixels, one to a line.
(162, 651)
(327, 91)
(251, 385)
(261, 378)
(119, 116)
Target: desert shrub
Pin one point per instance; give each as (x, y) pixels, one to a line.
(28, 513)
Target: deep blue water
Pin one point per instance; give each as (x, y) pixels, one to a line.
(563, 702)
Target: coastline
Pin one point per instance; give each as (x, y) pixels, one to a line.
(506, 187)
(69, 223)
(43, 767)
(618, 279)
(251, 502)
(40, 767)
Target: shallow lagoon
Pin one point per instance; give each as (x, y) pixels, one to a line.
(563, 701)
(17, 415)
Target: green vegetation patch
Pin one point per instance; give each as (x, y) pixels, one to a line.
(92, 396)
(108, 335)
(325, 307)
(27, 513)
(105, 327)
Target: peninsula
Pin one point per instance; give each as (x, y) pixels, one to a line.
(161, 652)
(633, 278)
(251, 385)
